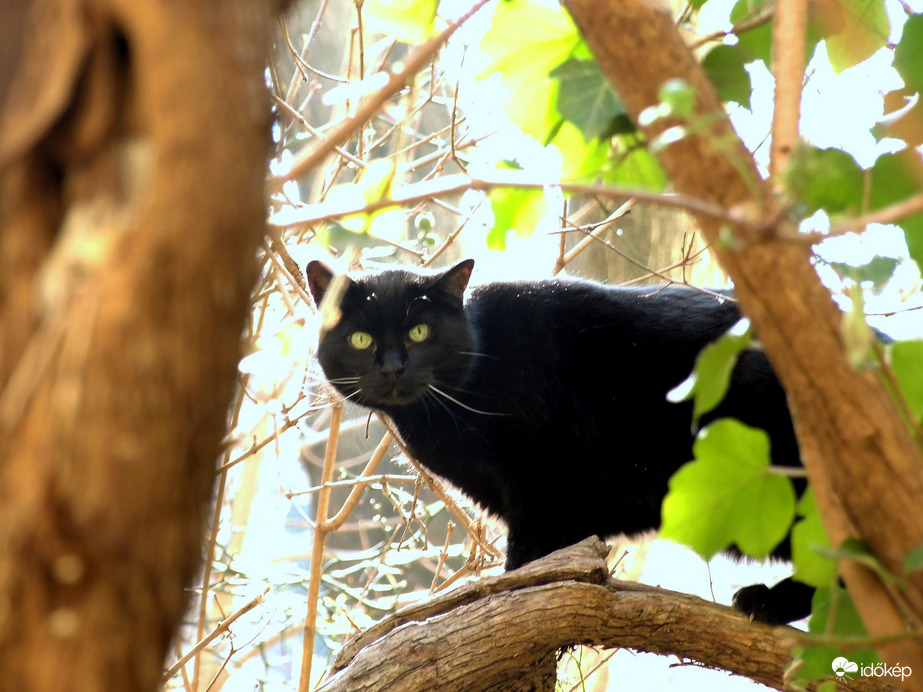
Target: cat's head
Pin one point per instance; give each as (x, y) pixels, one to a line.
(399, 336)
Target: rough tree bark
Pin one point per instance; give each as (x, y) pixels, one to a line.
(862, 462)
(487, 635)
(133, 147)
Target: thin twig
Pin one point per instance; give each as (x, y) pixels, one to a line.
(317, 549)
(214, 634)
(309, 159)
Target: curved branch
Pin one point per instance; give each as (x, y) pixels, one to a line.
(562, 600)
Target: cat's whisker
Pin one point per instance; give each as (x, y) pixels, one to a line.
(464, 406)
(478, 355)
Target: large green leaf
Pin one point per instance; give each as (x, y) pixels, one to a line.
(525, 43)
(725, 67)
(726, 496)
(865, 30)
(711, 374)
(585, 97)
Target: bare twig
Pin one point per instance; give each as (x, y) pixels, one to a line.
(308, 160)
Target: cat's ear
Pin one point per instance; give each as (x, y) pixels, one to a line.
(455, 280)
(319, 278)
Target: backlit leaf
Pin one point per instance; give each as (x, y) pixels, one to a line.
(407, 20)
(525, 43)
(865, 30)
(711, 374)
(726, 496)
(828, 179)
(908, 54)
(585, 97)
(809, 538)
(725, 68)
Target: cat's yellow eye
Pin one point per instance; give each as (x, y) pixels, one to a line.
(419, 333)
(360, 340)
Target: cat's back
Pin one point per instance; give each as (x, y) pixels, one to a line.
(569, 310)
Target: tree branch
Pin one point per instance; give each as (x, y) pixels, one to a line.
(567, 598)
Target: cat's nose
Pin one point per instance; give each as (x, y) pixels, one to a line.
(392, 363)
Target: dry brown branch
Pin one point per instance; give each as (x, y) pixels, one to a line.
(846, 423)
(567, 598)
(788, 50)
(317, 549)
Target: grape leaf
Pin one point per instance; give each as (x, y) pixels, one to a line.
(411, 21)
(896, 177)
(585, 97)
(865, 30)
(725, 496)
(828, 179)
(525, 43)
(711, 374)
(808, 534)
(908, 54)
(725, 68)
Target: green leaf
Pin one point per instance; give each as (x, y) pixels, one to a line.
(896, 177)
(525, 43)
(908, 54)
(906, 358)
(711, 374)
(725, 67)
(411, 21)
(638, 168)
(726, 496)
(828, 179)
(832, 613)
(865, 30)
(878, 271)
(914, 560)
(585, 97)
(808, 538)
(514, 209)
(757, 40)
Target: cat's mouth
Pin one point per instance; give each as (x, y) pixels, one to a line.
(396, 394)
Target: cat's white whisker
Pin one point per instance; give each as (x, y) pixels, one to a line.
(464, 406)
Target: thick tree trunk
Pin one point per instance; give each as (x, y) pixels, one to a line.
(133, 147)
(863, 465)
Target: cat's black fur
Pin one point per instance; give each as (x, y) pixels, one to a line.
(545, 401)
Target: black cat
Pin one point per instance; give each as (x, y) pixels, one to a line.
(545, 401)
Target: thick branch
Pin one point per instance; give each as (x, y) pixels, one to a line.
(564, 599)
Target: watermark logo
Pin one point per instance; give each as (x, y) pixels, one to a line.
(844, 668)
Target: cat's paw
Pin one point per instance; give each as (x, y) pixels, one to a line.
(757, 603)
(785, 602)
